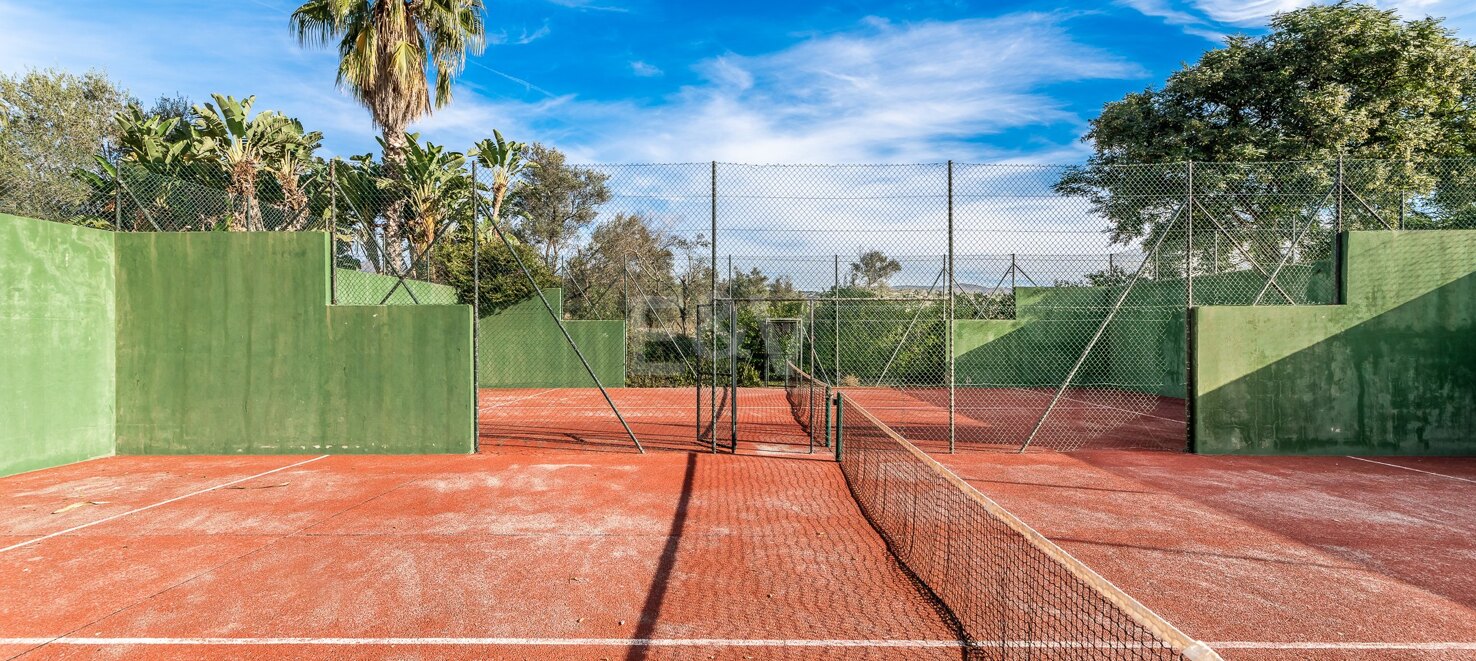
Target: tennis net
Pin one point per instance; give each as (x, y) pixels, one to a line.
(1012, 592)
(807, 396)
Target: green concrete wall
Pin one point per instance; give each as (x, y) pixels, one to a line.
(521, 347)
(226, 344)
(360, 288)
(1391, 372)
(1143, 348)
(56, 344)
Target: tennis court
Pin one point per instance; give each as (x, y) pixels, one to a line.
(552, 553)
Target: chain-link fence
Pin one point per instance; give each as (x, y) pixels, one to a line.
(1066, 287)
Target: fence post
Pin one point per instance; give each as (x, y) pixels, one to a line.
(1338, 238)
(333, 227)
(952, 383)
(1403, 195)
(476, 198)
(835, 324)
(1012, 274)
(1189, 241)
(712, 279)
(118, 196)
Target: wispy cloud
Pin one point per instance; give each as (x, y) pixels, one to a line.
(524, 37)
(1212, 18)
(881, 91)
(644, 69)
(588, 5)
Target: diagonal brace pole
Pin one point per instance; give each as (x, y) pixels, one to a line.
(497, 227)
(1101, 329)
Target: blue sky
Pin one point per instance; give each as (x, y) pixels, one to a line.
(668, 81)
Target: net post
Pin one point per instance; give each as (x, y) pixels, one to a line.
(476, 256)
(949, 340)
(826, 406)
(839, 442)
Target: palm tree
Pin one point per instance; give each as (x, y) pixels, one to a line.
(388, 49)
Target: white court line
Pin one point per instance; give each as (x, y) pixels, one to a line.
(489, 407)
(149, 507)
(1259, 645)
(1448, 477)
(729, 642)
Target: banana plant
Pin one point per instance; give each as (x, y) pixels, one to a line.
(435, 188)
(226, 132)
(292, 165)
(503, 160)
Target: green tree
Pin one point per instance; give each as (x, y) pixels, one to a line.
(389, 52)
(873, 269)
(555, 201)
(502, 282)
(1326, 81)
(51, 124)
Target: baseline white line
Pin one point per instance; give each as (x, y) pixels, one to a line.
(489, 407)
(162, 502)
(1258, 645)
(538, 642)
(1448, 477)
(727, 642)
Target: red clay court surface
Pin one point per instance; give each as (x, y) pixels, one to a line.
(665, 418)
(557, 541)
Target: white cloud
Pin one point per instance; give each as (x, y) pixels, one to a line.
(1210, 18)
(645, 69)
(884, 91)
(524, 37)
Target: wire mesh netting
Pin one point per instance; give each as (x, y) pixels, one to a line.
(1012, 592)
(1065, 292)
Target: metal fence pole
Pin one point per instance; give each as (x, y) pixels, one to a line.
(476, 198)
(118, 197)
(1189, 240)
(333, 226)
(1188, 366)
(949, 340)
(835, 325)
(733, 368)
(1338, 237)
(712, 300)
(548, 307)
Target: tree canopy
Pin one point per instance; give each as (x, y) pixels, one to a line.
(1327, 81)
(51, 123)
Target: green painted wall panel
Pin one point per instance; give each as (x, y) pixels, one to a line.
(57, 355)
(1393, 371)
(360, 288)
(399, 377)
(1142, 348)
(226, 345)
(521, 347)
